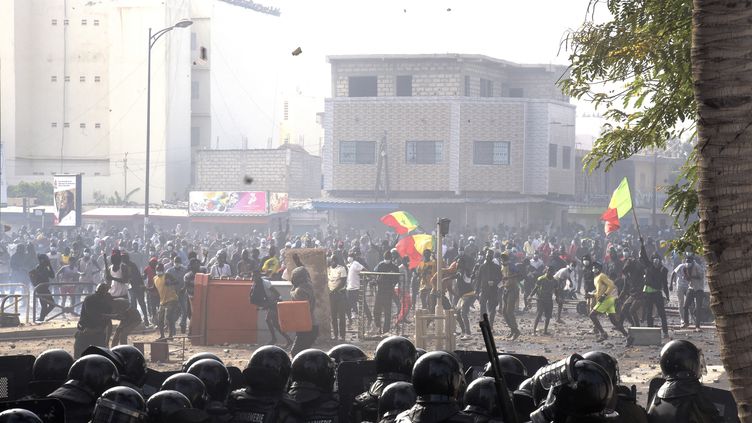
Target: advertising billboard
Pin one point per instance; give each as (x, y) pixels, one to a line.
(67, 198)
(278, 202)
(218, 203)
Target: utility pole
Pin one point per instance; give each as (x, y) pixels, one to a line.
(125, 175)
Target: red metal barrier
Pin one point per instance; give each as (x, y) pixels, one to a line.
(222, 312)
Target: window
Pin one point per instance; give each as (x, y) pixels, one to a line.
(82, 79)
(362, 86)
(54, 21)
(424, 152)
(486, 88)
(65, 22)
(194, 42)
(96, 22)
(54, 124)
(66, 125)
(467, 86)
(404, 85)
(194, 90)
(203, 54)
(553, 151)
(67, 79)
(566, 157)
(97, 79)
(83, 21)
(97, 125)
(53, 78)
(357, 152)
(491, 153)
(195, 135)
(82, 125)
(516, 92)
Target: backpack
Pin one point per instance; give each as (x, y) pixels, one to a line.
(257, 296)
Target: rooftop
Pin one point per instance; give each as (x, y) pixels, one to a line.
(441, 56)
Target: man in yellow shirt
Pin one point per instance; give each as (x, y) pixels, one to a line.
(605, 303)
(168, 302)
(425, 271)
(271, 264)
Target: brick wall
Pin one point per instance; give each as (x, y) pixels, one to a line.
(277, 170)
(561, 127)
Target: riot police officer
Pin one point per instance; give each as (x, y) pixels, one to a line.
(216, 379)
(120, 404)
(624, 401)
(196, 357)
(167, 407)
(482, 401)
(50, 371)
(312, 385)
(524, 402)
(264, 399)
(438, 381)
(512, 368)
(395, 398)
(189, 385)
(395, 357)
(88, 378)
(132, 366)
(680, 398)
(19, 415)
(346, 352)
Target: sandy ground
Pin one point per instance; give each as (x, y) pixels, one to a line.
(638, 364)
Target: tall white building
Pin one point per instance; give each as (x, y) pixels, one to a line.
(73, 94)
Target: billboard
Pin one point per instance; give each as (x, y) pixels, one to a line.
(67, 198)
(278, 202)
(218, 203)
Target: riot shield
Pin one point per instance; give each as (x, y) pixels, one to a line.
(154, 381)
(353, 378)
(50, 410)
(655, 384)
(724, 402)
(15, 375)
(480, 358)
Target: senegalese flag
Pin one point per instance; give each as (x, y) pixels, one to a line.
(413, 246)
(402, 222)
(620, 204)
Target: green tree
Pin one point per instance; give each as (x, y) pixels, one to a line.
(42, 191)
(667, 69)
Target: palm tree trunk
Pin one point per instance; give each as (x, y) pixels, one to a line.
(722, 74)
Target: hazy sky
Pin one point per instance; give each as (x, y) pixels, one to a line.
(251, 44)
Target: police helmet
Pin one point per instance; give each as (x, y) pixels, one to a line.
(481, 397)
(396, 397)
(215, 376)
(119, 405)
(346, 352)
(50, 371)
(609, 364)
(590, 392)
(313, 367)
(95, 372)
(196, 357)
(268, 369)
(133, 364)
(681, 359)
(19, 415)
(163, 406)
(395, 354)
(189, 385)
(438, 373)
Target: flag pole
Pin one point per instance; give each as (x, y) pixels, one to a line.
(637, 224)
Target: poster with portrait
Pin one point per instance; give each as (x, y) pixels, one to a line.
(67, 199)
(278, 202)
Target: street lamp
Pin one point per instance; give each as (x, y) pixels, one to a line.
(184, 23)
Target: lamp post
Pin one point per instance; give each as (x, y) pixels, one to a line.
(184, 23)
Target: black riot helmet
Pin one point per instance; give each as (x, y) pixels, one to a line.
(395, 354)
(133, 364)
(681, 359)
(346, 352)
(396, 398)
(163, 406)
(50, 371)
(119, 405)
(313, 367)
(268, 369)
(508, 364)
(189, 385)
(19, 415)
(609, 364)
(196, 357)
(481, 397)
(419, 352)
(587, 390)
(94, 372)
(215, 376)
(438, 373)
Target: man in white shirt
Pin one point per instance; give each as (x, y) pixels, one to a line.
(354, 267)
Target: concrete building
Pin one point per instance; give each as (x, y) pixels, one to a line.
(288, 168)
(478, 139)
(73, 83)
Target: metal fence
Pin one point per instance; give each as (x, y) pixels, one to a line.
(400, 300)
(17, 301)
(53, 291)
